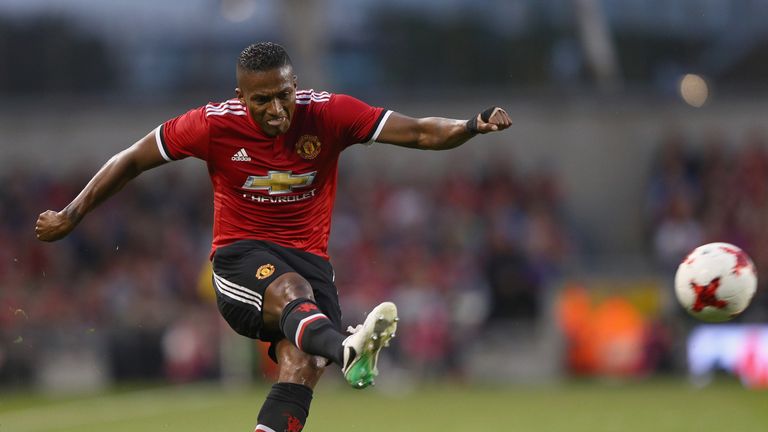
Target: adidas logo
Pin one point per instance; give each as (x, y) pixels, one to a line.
(241, 156)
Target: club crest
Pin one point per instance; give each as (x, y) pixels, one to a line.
(308, 147)
(265, 271)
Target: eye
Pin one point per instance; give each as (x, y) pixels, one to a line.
(261, 99)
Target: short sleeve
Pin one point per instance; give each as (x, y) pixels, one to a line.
(356, 120)
(183, 136)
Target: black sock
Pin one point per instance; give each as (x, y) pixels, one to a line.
(285, 409)
(311, 331)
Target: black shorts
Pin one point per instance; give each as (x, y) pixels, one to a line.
(243, 270)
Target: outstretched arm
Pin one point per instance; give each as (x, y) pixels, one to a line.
(119, 170)
(436, 133)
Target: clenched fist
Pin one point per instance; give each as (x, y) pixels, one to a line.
(52, 225)
(491, 120)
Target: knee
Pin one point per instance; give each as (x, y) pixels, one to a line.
(283, 290)
(289, 287)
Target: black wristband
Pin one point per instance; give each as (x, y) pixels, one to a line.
(472, 126)
(484, 116)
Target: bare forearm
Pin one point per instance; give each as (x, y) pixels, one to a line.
(437, 133)
(120, 169)
(112, 177)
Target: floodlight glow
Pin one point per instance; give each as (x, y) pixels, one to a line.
(694, 90)
(238, 10)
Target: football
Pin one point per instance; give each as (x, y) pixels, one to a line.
(716, 282)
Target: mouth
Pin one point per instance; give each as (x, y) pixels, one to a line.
(277, 122)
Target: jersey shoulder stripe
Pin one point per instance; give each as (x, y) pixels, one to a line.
(230, 102)
(311, 92)
(232, 106)
(305, 97)
(225, 112)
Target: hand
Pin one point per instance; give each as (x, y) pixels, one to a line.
(52, 225)
(491, 120)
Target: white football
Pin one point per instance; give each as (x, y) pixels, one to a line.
(716, 282)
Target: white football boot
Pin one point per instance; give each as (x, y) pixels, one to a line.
(361, 349)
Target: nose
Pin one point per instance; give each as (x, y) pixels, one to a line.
(275, 107)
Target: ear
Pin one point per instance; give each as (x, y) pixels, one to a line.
(239, 94)
(295, 82)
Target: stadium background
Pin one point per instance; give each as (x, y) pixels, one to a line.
(520, 261)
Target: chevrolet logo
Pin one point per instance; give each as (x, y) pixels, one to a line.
(279, 182)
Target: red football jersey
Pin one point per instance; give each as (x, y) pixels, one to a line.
(279, 189)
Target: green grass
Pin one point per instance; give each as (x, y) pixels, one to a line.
(653, 406)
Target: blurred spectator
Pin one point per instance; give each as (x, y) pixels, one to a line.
(513, 284)
(677, 233)
(674, 175)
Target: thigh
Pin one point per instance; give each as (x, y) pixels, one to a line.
(241, 274)
(320, 275)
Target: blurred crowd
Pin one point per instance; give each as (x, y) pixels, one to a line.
(456, 252)
(126, 275)
(460, 252)
(711, 190)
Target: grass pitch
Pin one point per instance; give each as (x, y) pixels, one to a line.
(656, 406)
